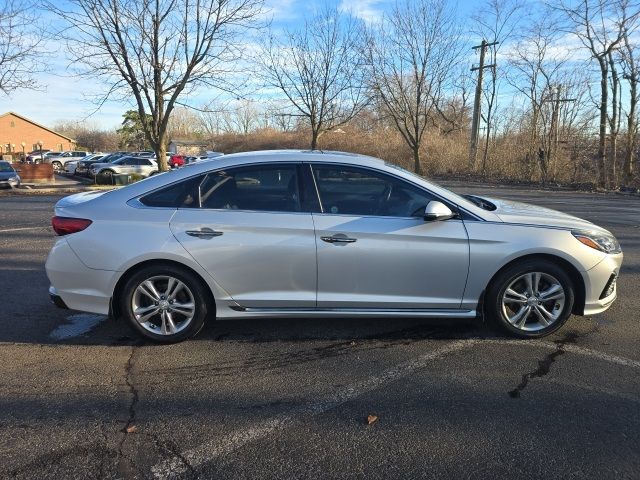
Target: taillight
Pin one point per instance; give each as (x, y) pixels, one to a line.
(67, 225)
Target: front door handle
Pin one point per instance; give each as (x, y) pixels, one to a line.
(338, 238)
(205, 233)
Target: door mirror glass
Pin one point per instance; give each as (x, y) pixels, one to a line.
(436, 211)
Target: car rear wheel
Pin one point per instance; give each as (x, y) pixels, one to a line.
(165, 303)
(57, 166)
(530, 299)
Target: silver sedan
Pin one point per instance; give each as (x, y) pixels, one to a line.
(321, 234)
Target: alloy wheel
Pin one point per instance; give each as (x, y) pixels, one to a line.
(533, 301)
(163, 305)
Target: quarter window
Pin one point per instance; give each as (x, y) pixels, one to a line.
(359, 191)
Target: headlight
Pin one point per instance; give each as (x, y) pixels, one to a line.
(598, 240)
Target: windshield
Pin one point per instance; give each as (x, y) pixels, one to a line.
(5, 167)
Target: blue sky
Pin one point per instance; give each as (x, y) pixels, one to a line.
(67, 97)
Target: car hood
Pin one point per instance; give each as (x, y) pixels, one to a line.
(523, 213)
(7, 175)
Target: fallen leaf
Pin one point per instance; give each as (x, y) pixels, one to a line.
(132, 429)
(371, 419)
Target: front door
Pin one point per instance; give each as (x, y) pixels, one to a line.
(374, 248)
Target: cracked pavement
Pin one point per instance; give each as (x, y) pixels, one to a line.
(289, 398)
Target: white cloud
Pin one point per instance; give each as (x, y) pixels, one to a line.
(368, 10)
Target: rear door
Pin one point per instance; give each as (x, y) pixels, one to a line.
(375, 250)
(249, 228)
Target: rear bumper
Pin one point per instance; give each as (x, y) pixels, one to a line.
(75, 285)
(56, 299)
(598, 295)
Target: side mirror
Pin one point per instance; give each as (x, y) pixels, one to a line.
(436, 211)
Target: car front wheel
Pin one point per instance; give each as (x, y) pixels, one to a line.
(165, 304)
(57, 166)
(530, 299)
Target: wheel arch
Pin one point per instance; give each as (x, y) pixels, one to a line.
(114, 305)
(568, 267)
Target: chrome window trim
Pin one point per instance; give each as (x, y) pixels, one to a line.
(136, 203)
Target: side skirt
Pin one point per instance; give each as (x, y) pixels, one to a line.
(236, 311)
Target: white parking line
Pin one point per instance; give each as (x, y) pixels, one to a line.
(80, 324)
(227, 444)
(7, 230)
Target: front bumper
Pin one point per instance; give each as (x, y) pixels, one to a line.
(600, 287)
(9, 183)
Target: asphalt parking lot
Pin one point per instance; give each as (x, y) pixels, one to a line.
(82, 397)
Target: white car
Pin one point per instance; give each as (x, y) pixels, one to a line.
(142, 166)
(70, 167)
(318, 234)
(58, 162)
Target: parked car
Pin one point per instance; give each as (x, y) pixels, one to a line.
(72, 166)
(39, 155)
(85, 163)
(176, 160)
(9, 178)
(58, 162)
(322, 234)
(139, 165)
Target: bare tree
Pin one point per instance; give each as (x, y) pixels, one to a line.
(183, 123)
(630, 60)
(242, 117)
(21, 46)
(319, 71)
(157, 51)
(615, 116)
(599, 27)
(409, 56)
(535, 67)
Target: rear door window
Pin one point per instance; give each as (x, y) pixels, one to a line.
(269, 188)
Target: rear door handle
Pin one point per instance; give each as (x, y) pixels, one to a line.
(205, 233)
(338, 239)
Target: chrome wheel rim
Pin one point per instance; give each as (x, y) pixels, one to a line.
(533, 301)
(163, 305)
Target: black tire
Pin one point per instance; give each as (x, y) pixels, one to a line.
(495, 310)
(57, 166)
(199, 292)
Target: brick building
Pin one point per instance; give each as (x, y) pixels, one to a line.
(19, 134)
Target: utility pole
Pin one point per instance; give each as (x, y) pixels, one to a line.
(554, 127)
(475, 124)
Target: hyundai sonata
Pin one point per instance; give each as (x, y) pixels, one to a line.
(321, 234)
